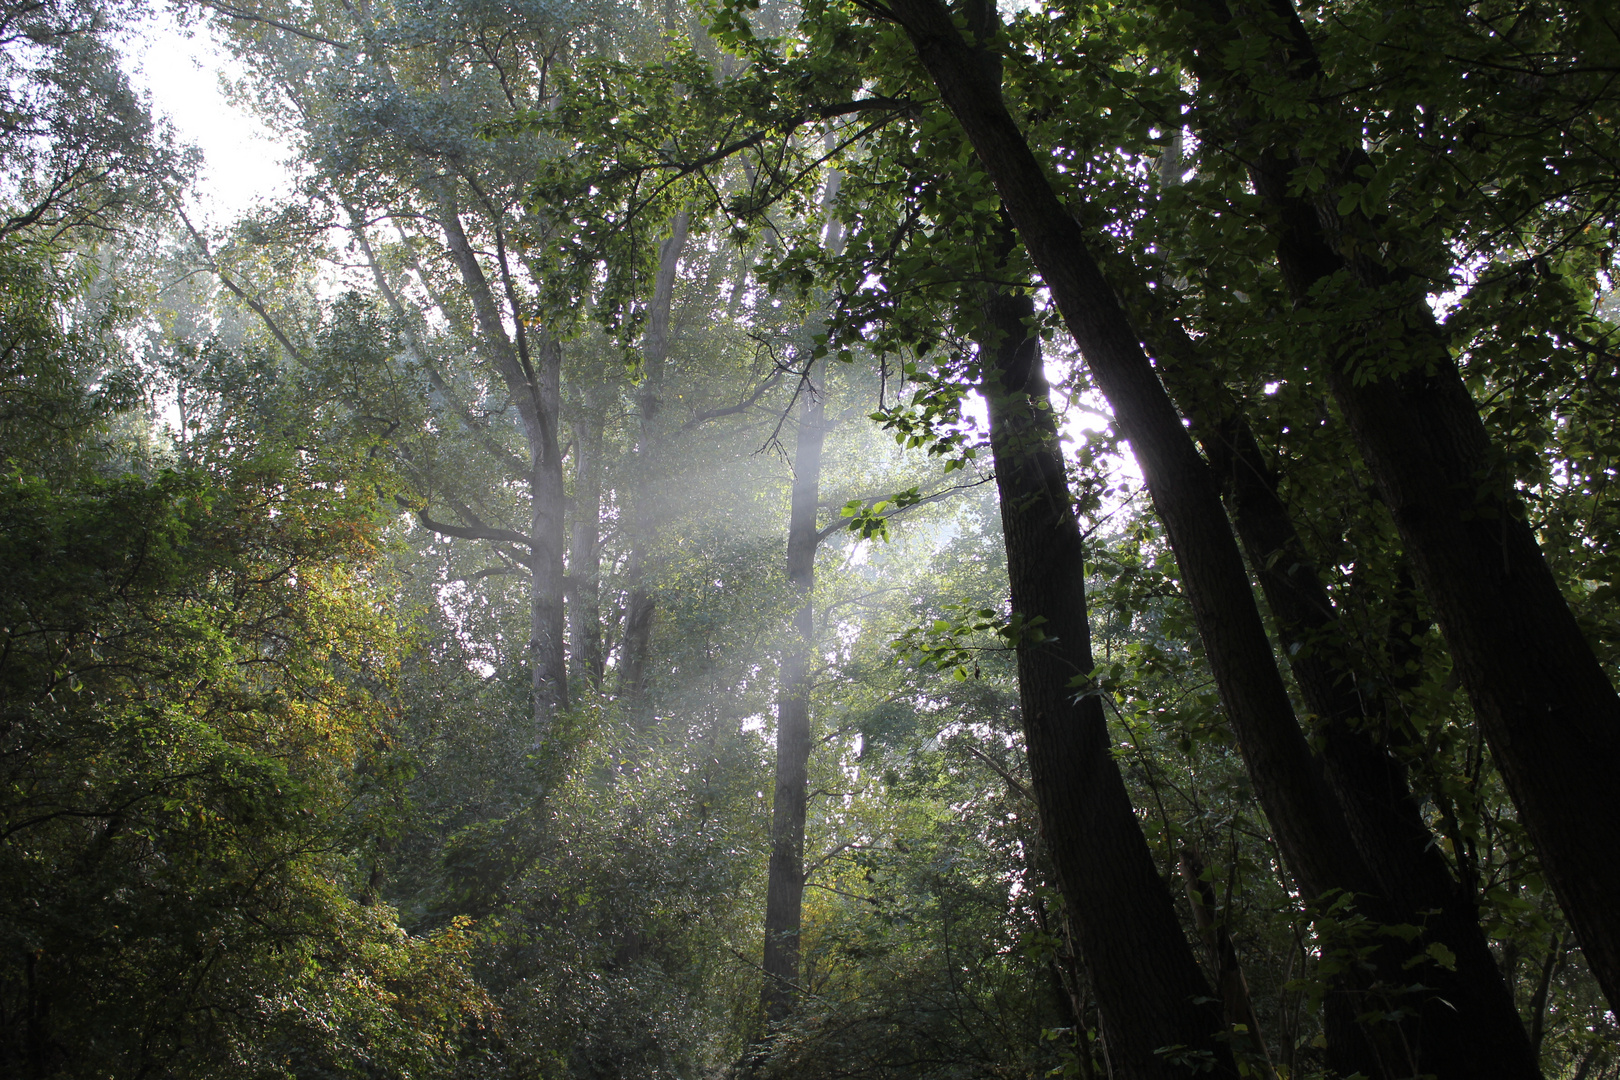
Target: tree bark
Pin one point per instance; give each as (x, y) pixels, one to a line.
(784, 895)
(1543, 700)
(1148, 984)
(1469, 1026)
(1307, 823)
(640, 604)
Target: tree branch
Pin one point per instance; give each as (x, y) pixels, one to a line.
(231, 11)
(731, 410)
(479, 531)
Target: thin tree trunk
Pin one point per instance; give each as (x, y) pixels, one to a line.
(640, 605)
(1550, 967)
(585, 549)
(1234, 988)
(1546, 706)
(548, 500)
(784, 895)
(1147, 981)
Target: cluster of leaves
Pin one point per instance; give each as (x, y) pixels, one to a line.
(194, 739)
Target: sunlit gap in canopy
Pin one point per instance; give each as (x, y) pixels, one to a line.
(244, 161)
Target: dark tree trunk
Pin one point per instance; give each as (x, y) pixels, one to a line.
(1544, 702)
(1148, 984)
(784, 896)
(1183, 488)
(1306, 821)
(1469, 1025)
(640, 604)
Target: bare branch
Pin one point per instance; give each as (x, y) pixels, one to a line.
(236, 290)
(231, 11)
(1000, 770)
(731, 410)
(474, 532)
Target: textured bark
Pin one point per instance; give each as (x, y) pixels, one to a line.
(1468, 1027)
(1147, 981)
(640, 604)
(784, 894)
(1546, 706)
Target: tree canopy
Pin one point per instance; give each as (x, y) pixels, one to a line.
(882, 538)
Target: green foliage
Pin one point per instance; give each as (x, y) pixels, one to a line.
(272, 802)
(64, 375)
(78, 150)
(195, 740)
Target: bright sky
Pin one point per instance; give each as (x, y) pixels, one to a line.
(242, 158)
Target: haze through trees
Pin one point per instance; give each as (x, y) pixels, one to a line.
(900, 539)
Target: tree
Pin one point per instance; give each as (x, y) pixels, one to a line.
(1462, 520)
(277, 798)
(81, 151)
(1150, 989)
(196, 729)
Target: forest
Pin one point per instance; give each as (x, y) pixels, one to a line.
(829, 539)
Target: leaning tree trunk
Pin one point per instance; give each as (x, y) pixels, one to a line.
(1147, 981)
(640, 605)
(1543, 700)
(784, 894)
(1307, 823)
(1468, 1027)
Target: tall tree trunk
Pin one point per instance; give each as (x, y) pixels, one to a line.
(585, 549)
(640, 605)
(548, 500)
(784, 894)
(534, 381)
(1306, 821)
(1469, 1025)
(1147, 981)
(1546, 706)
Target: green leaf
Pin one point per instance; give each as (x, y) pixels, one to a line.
(1442, 955)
